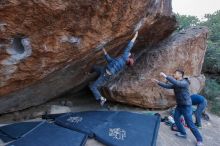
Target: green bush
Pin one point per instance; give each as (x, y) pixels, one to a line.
(212, 93)
(212, 59)
(211, 64)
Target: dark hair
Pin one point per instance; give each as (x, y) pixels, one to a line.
(180, 71)
(187, 79)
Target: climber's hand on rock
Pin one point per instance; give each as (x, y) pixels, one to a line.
(154, 81)
(103, 49)
(135, 36)
(163, 74)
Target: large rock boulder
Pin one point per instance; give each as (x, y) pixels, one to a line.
(46, 47)
(185, 50)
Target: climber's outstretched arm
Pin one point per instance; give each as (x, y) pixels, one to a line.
(164, 85)
(107, 57)
(135, 37)
(129, 46)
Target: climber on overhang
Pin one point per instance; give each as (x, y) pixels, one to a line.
(114, 65)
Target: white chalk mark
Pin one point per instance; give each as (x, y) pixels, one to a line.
(15, 56)
(102, 44)
(9, 64)
(74, 40)
(139, 25)
(70, 39)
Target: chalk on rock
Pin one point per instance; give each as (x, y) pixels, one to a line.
(102, 44)
(20, 49)
(139, 25)
(26, 42)
(70, 39)
(74, 40)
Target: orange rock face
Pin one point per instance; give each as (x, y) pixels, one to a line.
(46, 47)
(183, 50)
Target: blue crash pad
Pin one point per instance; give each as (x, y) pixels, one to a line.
(47, 134)
(114, 128)
(126, 129)
(17, 130)
(5, 138)
(83, 121)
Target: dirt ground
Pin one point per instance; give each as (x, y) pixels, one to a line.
(166, 137)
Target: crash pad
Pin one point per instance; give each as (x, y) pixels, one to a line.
(114, 128)
(48, 134)
(84, 121)
(17, 130)
(5, 138)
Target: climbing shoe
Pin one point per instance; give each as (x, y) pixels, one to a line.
(102, 101)
(198, 126)
(178, 134)
(199, 143)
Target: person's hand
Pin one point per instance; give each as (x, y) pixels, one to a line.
(135, 36)
(163, 75)
(154, 81)
(103, 49)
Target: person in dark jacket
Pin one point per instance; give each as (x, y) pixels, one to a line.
(180, 86)
(114, 65)
(201, 104)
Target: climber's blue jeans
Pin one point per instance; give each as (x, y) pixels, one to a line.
(186, 111)
(198, 113)
(102, 79)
